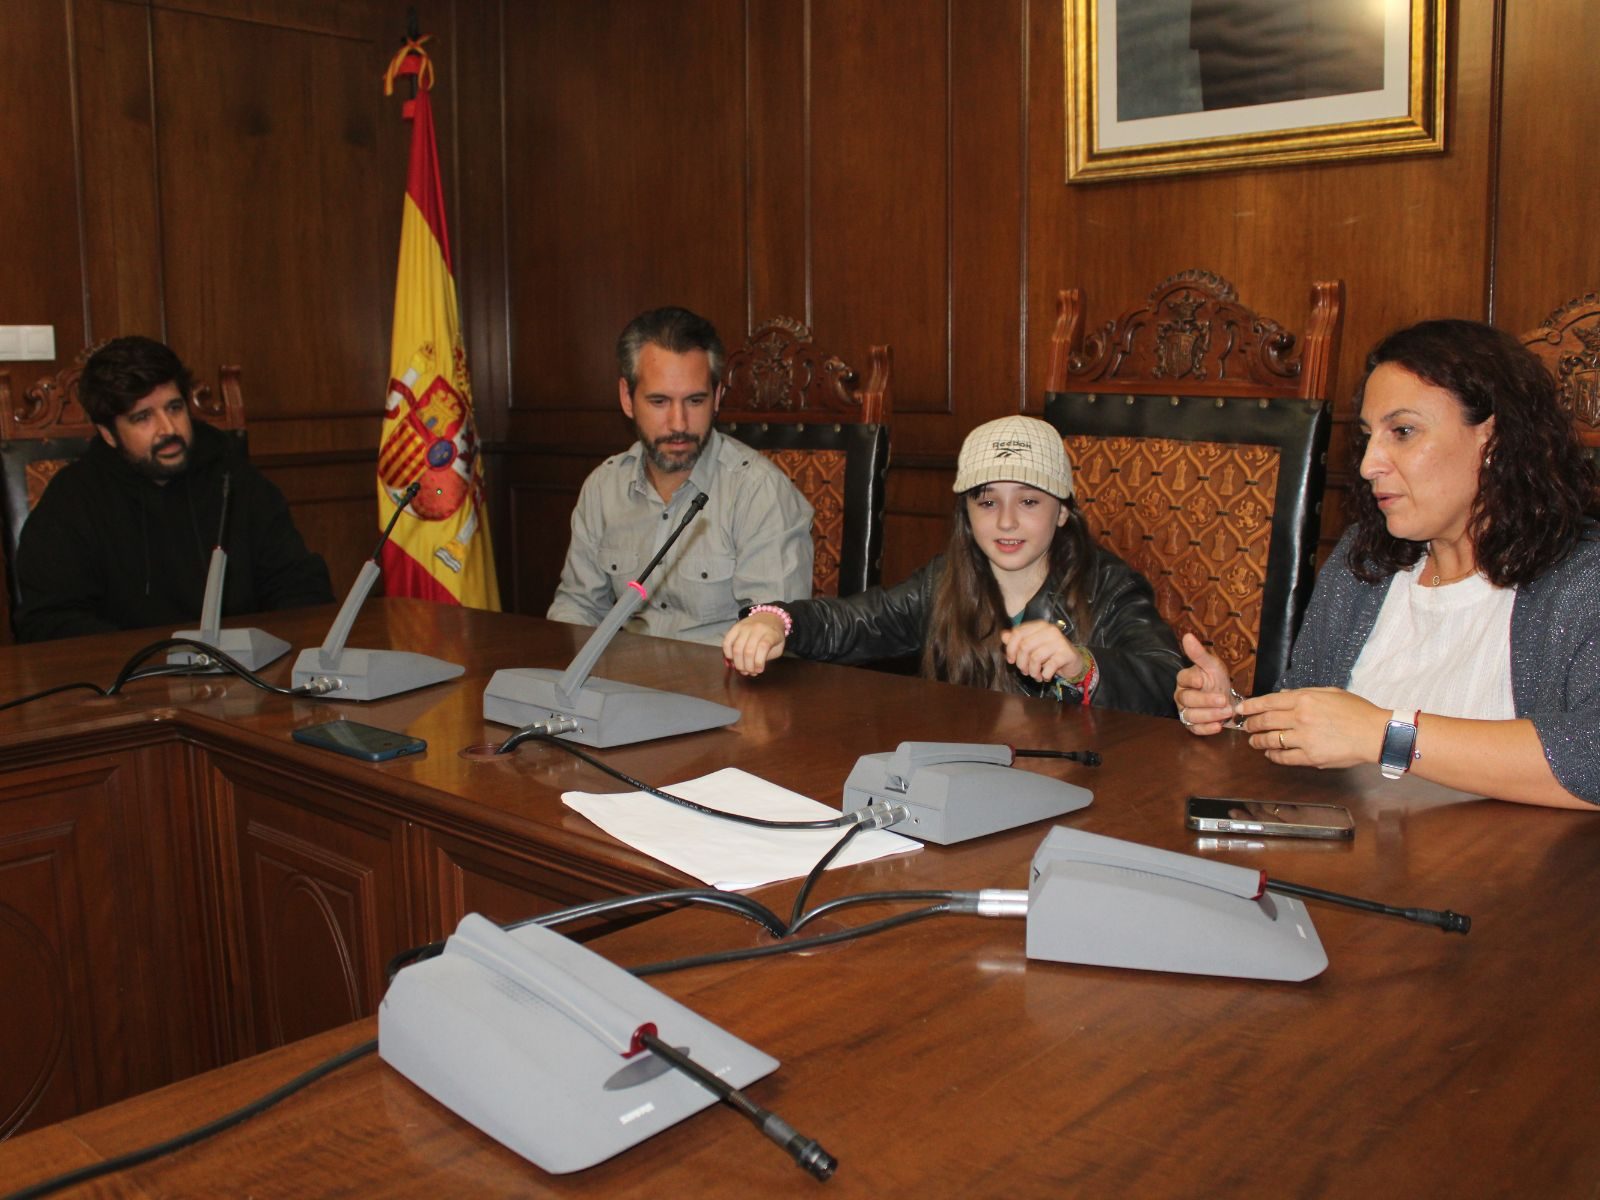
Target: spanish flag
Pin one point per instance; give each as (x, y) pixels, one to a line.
(440, 548)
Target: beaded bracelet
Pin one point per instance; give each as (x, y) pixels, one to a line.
(781, 613)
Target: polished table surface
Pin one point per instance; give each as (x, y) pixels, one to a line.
(936, 1059)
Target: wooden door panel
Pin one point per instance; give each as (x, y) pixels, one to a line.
(319, 895)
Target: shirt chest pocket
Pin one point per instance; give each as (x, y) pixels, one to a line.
(702, 582)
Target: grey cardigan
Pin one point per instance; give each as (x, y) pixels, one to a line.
(1555, 652)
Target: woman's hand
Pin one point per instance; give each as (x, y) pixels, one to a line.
(1316, 727)
(1041, 651)
(1204, 695)
(754, 642)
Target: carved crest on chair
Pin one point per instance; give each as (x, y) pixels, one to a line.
(50, 408)
(1568, 341)
(1193, 329)
(779, 373)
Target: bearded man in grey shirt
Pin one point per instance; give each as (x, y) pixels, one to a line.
(751, 544)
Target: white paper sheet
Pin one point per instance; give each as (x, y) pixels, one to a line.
(727, 854)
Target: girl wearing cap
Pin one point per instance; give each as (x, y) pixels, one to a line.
(1022, 600)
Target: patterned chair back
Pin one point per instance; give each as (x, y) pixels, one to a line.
(1198, 434)
(808, 413)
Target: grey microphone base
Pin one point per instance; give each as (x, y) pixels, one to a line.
(607, 713)
(255, 648)
(371, 674)
(1156, 910)
(955, 801)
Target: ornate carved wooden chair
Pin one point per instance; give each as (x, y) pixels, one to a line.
(1568, 342)
(1198, 433)
(46, 428)
(810, 413)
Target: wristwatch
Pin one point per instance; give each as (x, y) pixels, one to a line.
(1399, 745)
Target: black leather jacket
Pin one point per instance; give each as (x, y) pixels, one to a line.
(1134, 649)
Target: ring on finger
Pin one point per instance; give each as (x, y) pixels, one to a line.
(1183, 717)
(1282, 745)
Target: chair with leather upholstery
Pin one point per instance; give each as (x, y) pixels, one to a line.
(45, 428)
(1198, 433)
(1568, 343)
(813, 417)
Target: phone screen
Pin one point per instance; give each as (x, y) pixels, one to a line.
(1224, 814)
(359, 741)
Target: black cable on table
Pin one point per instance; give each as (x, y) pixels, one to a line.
(533, 733)
(135, 1157)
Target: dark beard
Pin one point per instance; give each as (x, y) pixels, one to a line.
(153, 468)
(676, 458)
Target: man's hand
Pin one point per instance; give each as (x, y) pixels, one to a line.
(1204, 694)
(1316, 727)
(754, 642)
(1041, 651)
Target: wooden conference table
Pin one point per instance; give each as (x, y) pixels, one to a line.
(260, 885)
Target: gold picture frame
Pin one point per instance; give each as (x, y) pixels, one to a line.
(1131, 110)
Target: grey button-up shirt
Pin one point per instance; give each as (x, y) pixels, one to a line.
(752, 544)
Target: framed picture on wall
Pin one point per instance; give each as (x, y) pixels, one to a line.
(1167, 87)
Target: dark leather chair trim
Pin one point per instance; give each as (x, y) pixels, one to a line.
(1297, 429)
(866, 450)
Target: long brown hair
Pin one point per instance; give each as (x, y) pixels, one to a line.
(963, 642)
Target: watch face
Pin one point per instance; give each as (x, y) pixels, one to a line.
(1398, 739)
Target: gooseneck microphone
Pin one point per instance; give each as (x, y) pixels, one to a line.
(604, 712)
(368, 674)
(252, 648)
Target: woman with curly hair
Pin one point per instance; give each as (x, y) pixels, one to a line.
(1455, 632)
(1021, 601)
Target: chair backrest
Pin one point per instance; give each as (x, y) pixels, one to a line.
(1568, 343)
(809, 413)
(45, 428)
(1198, 433)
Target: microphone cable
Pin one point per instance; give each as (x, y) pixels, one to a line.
(874, 816)
(134, 1158)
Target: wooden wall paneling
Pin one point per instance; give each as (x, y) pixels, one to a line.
(282, 167)
(472, 155)
(626, 186)
(331, 500)
(1408, 235)
(39, 205)
(1546, 250)
(122, 228)
(880, 193)
(777, 155)
(917, 509)
(542, 491)
(987, 116)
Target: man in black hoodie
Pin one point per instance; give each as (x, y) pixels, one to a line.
(122, 537)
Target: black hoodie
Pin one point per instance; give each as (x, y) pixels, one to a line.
(109, 548)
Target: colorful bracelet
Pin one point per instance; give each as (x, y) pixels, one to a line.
(1091, 675)
(781, 613)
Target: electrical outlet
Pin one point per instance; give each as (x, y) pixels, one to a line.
(27, 343)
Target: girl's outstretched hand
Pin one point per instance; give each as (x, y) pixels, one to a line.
(754, 642)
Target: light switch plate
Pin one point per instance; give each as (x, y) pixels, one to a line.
(27, 343)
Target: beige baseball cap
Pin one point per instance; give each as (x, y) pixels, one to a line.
(1015, 450)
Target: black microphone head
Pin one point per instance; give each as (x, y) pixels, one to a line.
(698, 502)
(411, 493)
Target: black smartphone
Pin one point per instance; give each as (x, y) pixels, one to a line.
(359, 741)
(1227, 814)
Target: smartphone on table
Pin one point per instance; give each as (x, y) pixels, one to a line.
(1269, 818)
(366, 742)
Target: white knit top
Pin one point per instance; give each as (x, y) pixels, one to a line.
(1444, 650)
